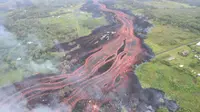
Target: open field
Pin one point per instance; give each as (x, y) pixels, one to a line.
(34, 30)
(176, 30)
(179, 83)
(164, 37)
(190, 2)
(50, 24)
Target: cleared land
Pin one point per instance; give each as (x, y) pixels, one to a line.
(176, 31)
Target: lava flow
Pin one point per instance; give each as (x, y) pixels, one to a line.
(105, 78)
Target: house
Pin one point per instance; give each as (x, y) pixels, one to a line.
(184, 53)
(18, 59)
(29, 42)
(171, 58)
(198, 44)
(181, 66)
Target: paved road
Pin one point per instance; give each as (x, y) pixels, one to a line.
(192, 42)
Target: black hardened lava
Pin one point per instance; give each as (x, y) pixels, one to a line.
(102, 77)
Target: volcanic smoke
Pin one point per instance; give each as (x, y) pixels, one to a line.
(104, 82)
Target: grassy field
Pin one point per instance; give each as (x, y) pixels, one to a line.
(167, 4)
(164, 37)
(75, 20)
(33, 31)
(179, 83)
(176, 29)
(62, 24)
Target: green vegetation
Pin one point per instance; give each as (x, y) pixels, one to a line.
(166, 37)
(50, 24)
(34, 30)
(173, 39)
(12, 76)
(185, 18)
(179, 83)
(162, 110)
(190, 2)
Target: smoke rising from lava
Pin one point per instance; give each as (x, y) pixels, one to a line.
(104, 79)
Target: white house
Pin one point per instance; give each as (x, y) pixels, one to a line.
(18, 59)
(181, 66)
(198, 44)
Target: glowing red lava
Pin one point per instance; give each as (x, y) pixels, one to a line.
(103, 75)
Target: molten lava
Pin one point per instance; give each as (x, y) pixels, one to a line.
(103, 78)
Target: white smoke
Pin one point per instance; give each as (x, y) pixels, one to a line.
(14, 105)
(44, 67)
(6, 38)
(43, 109)
(18, 52)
